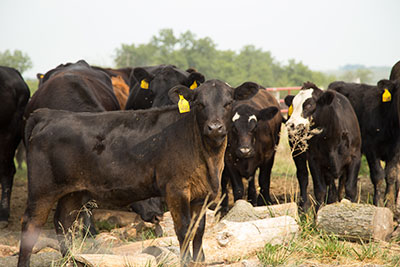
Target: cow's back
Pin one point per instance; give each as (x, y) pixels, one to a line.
(77, 90)
(378, 123)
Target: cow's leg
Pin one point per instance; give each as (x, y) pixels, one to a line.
(391, 174)
(251, 191)
(198, 253)
(318, 182)
(377, 175)
(223, 210)
(332, 191)
(178, 202)
(264, 180)
(7, 171)
(67, 212)
(300, 160)
(86, 216)
(35, 217)
(237, 185)
(352, 179)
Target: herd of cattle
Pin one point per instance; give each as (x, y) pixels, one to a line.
(185, 141)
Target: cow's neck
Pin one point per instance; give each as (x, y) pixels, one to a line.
(212, 155)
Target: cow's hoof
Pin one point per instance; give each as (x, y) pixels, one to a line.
(3, 224)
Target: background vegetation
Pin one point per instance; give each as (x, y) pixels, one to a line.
(248, 64)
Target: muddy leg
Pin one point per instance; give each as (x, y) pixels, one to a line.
(179, 205)
(35, 217)
(198, 253)
(67, 212)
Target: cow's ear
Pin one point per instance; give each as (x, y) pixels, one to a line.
(289, 100)
(267, 113)
(39, 76)
(326, 98)
(245, 91)
(142, 75)
(194, 80)
(182, 90)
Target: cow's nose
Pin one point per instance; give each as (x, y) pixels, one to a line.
(215, 127)
(245, 150)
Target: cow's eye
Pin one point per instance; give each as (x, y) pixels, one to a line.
(200, 105)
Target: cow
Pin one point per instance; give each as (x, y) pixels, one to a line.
(252, 141)
(334, 143)
(395, 72)
(153, 83)
(75, 87)
(126, 156)
(121, 90)
(377, 109)
(14, 94)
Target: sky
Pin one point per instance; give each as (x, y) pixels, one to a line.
(322, 34)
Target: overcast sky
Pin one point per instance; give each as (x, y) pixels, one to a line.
(322, 34)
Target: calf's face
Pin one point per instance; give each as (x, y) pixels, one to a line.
(244, 126)
(212, 103)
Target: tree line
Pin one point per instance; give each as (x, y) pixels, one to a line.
(187, 51)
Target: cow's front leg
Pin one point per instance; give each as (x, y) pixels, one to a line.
(391, 175)
(179, 205)
(198, 253)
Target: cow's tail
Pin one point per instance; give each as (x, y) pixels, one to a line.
(29, 126)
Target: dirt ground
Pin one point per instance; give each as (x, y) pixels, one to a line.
(283, 186)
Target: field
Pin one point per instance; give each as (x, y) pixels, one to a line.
(311, 248)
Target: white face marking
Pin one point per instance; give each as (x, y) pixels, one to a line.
(236, 117)
(253, 117)
(296, 118)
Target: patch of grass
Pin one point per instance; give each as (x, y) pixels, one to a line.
(274, 255)
(367, 250)
(105, 226)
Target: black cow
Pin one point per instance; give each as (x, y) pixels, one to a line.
(153, 84)
(75, 87)
(252, 141)
(126, 156)
(395, 72)
(377, 109)
(14, 94)
(334, 149)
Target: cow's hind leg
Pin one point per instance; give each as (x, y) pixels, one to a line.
(67, 213)
(35, 217)
(391, 174)
(377, 175)
(352, 178)
(7, 171)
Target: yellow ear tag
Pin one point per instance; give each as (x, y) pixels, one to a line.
(386, 96)
(144, 84)
(183, 105)
(41, 76)
(193, 86)
(290, 110)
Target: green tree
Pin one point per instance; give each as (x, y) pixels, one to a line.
(17, 60)
(249, 64)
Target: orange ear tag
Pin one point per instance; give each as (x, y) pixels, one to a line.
(193, 86)
(183, 105)
(144, 84)
(386, 96)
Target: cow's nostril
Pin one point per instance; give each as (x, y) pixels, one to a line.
(215, 126)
